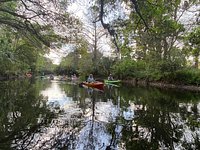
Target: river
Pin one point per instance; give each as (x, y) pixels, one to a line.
(43, 114)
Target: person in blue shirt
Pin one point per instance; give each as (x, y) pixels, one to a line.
(90, 78)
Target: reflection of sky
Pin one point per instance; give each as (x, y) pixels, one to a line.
(56, 94)
(106, 111)
(79, 128)
(93, 136)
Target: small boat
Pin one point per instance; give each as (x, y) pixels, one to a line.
(92, 88)
(112, 81)
(96, 84)
(112, 85)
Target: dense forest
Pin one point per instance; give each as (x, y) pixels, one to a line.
(158, 40)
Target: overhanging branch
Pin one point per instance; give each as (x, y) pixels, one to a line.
(112, 31)
(138, 12)
(107, 26)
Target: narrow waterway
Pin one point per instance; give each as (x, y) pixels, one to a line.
(43, 114)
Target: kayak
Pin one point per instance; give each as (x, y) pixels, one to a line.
(112, 85)
(97, 84)
(92, 88)
(112, 81)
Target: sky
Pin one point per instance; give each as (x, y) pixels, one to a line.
(56, 54)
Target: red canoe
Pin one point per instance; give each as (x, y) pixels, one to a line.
(98, 85)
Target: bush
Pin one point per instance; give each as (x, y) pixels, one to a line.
(128, 68)
(188, 76)
(169, 72)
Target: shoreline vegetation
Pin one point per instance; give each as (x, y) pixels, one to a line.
(135, 82)
(161, 85)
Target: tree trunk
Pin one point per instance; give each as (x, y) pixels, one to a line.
(196, 62)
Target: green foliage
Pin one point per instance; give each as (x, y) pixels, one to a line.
(194, 37)
(128, 68)
(6, 53)
(188, 76)
(104, 66)
(22, 40)
(185, 76)
(170, 72)
(44, 65)
(158, 69)
(21, 106)
(156, 54)
(78, 61)
(192, 44)
(65, 70)
(85, 65)
(17, 55)
(39, 32)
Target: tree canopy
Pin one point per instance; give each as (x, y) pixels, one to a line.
(145, 32)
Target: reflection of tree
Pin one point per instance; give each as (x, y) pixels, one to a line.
(116, 129)
(71, 90)
(160, 120)
(112, 93)
(36, 125)
(21, 107)
(163, 119)
(94, 134)
(191, 113)
(91, 143)
(77, 94)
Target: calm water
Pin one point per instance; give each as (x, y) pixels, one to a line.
(44, 115)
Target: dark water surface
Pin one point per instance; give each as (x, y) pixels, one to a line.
(44, 115)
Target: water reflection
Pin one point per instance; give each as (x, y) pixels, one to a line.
(21, 106)
(58, 115)
(57, 97)
(94, 134)
(161, 122)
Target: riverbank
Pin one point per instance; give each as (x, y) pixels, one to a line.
(162, 85)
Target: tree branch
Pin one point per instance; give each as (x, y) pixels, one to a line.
(3, 1)
(107, 26)
(138, 12)
(12, 13)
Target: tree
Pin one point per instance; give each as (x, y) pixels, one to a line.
(193, 44)
(17, 55)
(44, 65)
(95, 36)
(157, 42)
(87, 45)
(30, 27)
(32, 18)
